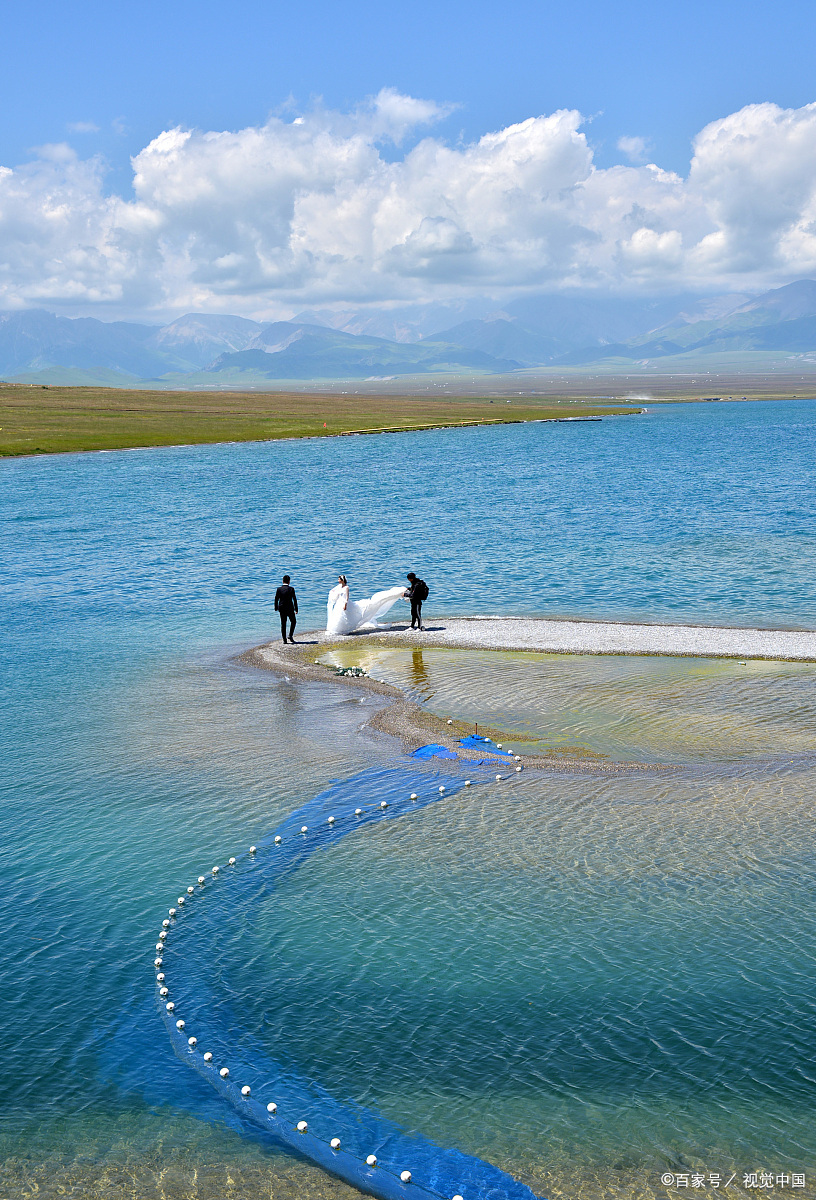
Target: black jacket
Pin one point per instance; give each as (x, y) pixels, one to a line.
(285, 599)
(416, 592)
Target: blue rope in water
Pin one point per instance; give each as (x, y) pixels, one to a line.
(183, 959)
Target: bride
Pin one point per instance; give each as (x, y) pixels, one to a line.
(345, 615)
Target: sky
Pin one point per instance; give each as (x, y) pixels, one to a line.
(255, 158)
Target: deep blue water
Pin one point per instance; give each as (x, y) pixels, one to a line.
(134, 756)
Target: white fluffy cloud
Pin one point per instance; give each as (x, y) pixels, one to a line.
(326, 208)
(636, 149)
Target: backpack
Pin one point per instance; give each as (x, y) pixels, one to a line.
(422, 589)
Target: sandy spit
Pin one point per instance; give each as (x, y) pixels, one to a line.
(414, 726)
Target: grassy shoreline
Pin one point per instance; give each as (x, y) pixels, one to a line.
(53, 420)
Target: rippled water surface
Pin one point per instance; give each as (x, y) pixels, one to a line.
(589, 980)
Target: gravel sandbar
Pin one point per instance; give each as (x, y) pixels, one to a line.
(596, 637)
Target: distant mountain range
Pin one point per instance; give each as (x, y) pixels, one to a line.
(202, 349)
(782, 320)
(34, 342)
(539, 330)
(290, 350)
(199, 348)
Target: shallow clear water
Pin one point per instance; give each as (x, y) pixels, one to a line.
(565, 975)
(583, 979)
(649, 709)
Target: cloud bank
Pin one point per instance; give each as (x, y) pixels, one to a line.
(327, 207)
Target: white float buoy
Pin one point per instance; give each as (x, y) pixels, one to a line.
(517, 757)
(499, 777)
(357, 812)
(278, 839)
(383, 804)
(232, 862)
(207, 1056)
(224, 1072)
(157, 962)
(467, 783)
(302, 1126)
(179, 1024)
(160, 946)
(164, 992)
(162, 935)
(450, 722)
(405, 1176)
(371, 1161)
(304, 829)
(246, 1090)
(192, 1041)
(180, 902)
(160, 977)
(271, 1107)
(170, 1006)
(518, 769)
(215, 870)
(253, 849)
(457, 1197)
(414, 796)
(172, 911)
(201, 879)
(190, 891)
(498, 745)
(330, 820)
(487, 739)
(166, 924)
(441, 790)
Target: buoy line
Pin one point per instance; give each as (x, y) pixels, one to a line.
(386, 1180)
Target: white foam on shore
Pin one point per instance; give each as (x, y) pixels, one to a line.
(596, 637)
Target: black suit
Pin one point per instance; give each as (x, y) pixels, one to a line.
(286, 605)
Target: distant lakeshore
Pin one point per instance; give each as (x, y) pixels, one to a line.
(54, 419)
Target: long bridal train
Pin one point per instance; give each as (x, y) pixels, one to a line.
(358, 612)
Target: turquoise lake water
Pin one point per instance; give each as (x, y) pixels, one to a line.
(587, 980)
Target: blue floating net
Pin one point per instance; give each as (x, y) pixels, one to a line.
(475, 741)
(207, 1033)
(434, 750)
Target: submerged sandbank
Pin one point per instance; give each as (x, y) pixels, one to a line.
(405, 719)
(414, 725)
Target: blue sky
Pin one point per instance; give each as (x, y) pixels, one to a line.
(106, 79)
(652, 70)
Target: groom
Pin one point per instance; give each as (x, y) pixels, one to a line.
(286, 605)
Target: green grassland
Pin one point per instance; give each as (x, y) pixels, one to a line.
(50, 420)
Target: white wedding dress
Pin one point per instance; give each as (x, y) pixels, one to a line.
(358, 612)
